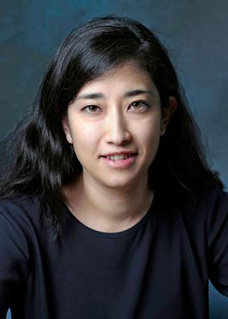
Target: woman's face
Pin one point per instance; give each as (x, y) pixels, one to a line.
(115, 123)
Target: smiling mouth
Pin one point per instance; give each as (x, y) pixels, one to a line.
(119, 157)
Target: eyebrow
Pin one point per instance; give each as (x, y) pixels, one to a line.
(131, 93)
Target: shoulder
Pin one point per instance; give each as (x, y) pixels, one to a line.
(204, 225)
(19, 217)
(215, 198)
(217, 239)
(205, 217)
(19, 207)
(206, 204)
(18, 229)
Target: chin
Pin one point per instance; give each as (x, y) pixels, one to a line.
(121, 183)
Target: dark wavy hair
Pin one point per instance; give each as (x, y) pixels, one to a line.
(43, 161)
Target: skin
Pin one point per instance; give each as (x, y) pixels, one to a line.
(119, 112)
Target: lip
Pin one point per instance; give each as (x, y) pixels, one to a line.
(120, 164)
(119, 153)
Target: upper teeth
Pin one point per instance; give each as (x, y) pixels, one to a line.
(119, 157)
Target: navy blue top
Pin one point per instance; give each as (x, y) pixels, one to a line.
(159, 268)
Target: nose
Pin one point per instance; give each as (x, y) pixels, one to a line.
(117, 131)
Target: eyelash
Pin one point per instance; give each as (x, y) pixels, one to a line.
(96, 109)
(88, 108)
(145, 104)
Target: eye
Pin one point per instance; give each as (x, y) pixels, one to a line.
(139, 106)
(92, 109)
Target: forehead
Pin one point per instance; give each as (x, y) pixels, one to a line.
(127, 76)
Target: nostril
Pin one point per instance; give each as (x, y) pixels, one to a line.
(118, 137)
(125, 142)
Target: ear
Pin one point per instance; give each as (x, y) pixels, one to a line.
(66, 129)
(167, 113)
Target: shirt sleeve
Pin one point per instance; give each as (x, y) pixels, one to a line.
(217, 228)
(14, 254)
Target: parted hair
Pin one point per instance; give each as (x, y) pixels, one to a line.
(42, 161)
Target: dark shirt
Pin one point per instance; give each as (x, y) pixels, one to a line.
(157, 269)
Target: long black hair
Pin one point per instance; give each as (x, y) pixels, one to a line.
(43, 161)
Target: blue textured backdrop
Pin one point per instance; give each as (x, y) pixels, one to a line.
(194, 31)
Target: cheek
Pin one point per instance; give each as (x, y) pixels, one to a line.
(149, 133)
(85, 139)
(149, 139)
(152, 143)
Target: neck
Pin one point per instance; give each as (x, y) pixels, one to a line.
(108, 209)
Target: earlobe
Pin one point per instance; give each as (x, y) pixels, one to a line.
(167, 113)
(66, 129)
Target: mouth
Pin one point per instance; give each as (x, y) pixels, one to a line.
(119, 157)
(120, 160)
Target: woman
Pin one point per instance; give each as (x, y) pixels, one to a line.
(109, 209)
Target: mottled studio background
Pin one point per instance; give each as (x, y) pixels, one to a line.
(195, 31)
